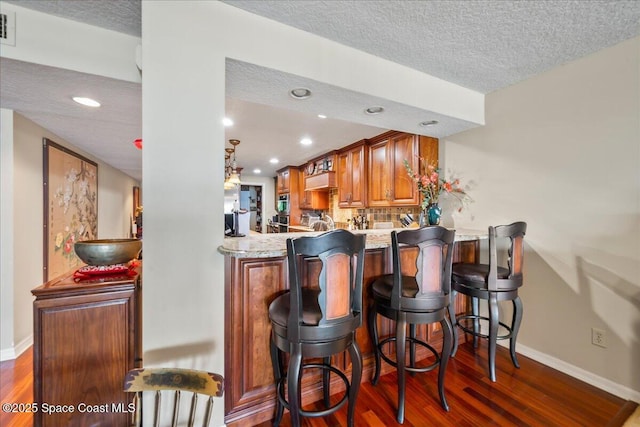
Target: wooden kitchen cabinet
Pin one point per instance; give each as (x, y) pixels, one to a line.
(352, 182)
(389, 183)
(314, 200)
(87, 335)
(311, 200)
(283, 180)
(251, 284)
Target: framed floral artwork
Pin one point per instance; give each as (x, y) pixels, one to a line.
(70, 206)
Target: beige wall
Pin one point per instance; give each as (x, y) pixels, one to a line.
(114, 210)
(561, 151)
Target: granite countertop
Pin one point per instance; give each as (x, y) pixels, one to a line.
(274, 245)
(300, 227)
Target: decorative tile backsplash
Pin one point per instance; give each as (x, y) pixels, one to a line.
(373, 215)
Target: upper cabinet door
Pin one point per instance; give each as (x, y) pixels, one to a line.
(403, 189)
(352, 182)
(389, 182)
(379, 174)
(283, 181)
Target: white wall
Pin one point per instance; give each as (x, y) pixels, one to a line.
(183, 108)
(24, 271)
(6, 235)
(561, 151)
(268, 195)
(63, 43)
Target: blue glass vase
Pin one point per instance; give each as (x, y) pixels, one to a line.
(433, 214)
(430, 215)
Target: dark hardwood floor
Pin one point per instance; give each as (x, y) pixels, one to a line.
(534, 395)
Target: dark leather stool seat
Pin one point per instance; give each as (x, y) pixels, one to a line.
(422, 298)
(475, 274)
(280, 309)
(317, 319)
(383, 287)
(493, 283)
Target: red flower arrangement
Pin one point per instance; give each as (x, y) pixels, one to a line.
(430, 184)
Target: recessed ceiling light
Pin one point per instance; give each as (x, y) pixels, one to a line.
(429, 123)
(227, 122)
(257, 171)
(374, 110)
(273, 160)
(306, 141)
(300, 93)
(322, 116)
(86, 101)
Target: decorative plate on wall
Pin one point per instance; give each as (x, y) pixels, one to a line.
(311, 168)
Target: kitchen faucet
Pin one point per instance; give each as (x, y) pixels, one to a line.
(331, 225)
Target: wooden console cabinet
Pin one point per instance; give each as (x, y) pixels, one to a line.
(87, 335)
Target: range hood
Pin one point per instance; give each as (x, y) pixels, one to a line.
(323, 181)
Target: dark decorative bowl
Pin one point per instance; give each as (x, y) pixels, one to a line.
(108, 251)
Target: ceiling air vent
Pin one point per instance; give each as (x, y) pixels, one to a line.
(8, 28)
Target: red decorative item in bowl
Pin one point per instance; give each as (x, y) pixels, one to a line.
(100, 270)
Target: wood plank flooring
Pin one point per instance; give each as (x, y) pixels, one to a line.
(534, 395)
(16, 386)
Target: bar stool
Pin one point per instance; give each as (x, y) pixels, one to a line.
(492, 282)
(319, 319)
(422, 298)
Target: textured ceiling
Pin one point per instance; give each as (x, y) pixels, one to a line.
(481, 45)
(43, 94)
(123, 16)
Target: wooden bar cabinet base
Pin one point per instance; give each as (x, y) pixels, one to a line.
(250, 286)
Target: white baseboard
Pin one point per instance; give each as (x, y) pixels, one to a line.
(579, 373)
(15, 351)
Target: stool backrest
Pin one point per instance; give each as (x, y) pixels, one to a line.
(515, 234)
(334, 263)
(174, 380)
(432, 267)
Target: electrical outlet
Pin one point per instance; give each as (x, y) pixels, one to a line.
(598, 337)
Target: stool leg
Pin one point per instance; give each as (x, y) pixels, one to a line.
(401, 337)
(293, 379)
(515, 326)
(454, 322)
(373, 335)
(412, 347)
(447, 337)
(356, 377)
(475, 310)
(326, 383)
(276, 362)
(494, 319)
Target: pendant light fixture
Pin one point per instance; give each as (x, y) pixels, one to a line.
(232, 172)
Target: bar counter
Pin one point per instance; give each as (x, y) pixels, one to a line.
(255, 273)
(274, 244)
